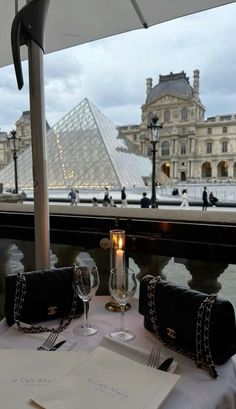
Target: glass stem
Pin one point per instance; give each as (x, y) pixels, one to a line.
(122, 318)
(85, 314)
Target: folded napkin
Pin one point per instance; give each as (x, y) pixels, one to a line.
(132, 352)
(15, 339)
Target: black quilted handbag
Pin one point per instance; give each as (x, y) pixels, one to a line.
(198, 325)
(41, 296)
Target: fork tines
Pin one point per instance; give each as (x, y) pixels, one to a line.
(154, 357)
(49, 342)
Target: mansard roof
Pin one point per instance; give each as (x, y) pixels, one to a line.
(176, 85)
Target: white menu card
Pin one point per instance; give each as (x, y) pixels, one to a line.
(104, 380)
(26, 373)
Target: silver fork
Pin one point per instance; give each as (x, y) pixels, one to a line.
(49, 342)
(154, 358)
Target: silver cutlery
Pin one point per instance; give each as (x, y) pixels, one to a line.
(58, 345)
(154, 358)
(49, 342)
(166, 364)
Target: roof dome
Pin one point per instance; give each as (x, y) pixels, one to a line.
(174, 85)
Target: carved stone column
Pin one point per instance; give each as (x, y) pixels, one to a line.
(150, 264)
(66, 254)
(204, 275)
(28, 250)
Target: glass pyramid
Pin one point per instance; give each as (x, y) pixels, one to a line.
(83, 151)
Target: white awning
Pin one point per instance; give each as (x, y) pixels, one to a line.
(73, 22)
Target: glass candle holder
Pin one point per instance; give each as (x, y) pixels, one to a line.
(117, 260)
(117, 249)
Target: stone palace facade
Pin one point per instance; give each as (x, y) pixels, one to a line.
(191, 148)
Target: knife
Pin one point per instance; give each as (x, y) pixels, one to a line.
(58, 345)
(166, 364)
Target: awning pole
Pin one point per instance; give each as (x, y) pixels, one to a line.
(39, 156)
(28, 29)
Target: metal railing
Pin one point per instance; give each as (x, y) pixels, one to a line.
(191, 247)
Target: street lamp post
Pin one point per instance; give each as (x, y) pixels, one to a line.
(14, 146)
(153, 127)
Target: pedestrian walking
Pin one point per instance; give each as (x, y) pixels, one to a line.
(106, 200)
(184, 199)
(204, 199)
(112, 203)
(213, 200)
(72, 196)
(123, 198)
(95, 202)
(77, 199)
(145, 201)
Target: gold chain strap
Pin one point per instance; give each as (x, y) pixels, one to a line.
(18, 304)
(202, 326)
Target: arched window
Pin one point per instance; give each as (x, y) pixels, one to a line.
(166, 169)
(167, 116)
(165, 148)
(222, 169)
(184, 115)
(206, 170)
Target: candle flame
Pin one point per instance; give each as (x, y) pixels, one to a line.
(114, 239)
(120, 243)
(118, 240)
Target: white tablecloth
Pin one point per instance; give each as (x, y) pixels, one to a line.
(196, 389)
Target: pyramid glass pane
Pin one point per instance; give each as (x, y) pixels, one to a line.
(84, 151)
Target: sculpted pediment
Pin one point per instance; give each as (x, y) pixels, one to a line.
(168, 99)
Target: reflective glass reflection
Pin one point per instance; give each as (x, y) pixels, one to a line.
(84, 150)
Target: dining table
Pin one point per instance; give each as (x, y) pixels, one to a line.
(195, 389)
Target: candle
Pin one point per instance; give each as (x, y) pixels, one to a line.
(120, 255)
(119, 260)
(117, 253)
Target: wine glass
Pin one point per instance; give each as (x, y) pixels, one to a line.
(122, 286)
(86, 285)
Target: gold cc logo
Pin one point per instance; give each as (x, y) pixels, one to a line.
(170, 332)
(52, 310)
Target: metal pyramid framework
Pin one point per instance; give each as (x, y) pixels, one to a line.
(84, 151)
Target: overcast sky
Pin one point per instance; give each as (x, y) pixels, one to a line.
(112, 72)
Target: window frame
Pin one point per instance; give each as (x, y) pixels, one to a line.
(209, 146)
(184, 114)
(209, 131)
(183, 148)
(224, 146)
(165, 150)
(167, 116)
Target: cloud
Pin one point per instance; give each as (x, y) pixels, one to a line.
(112, 72)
